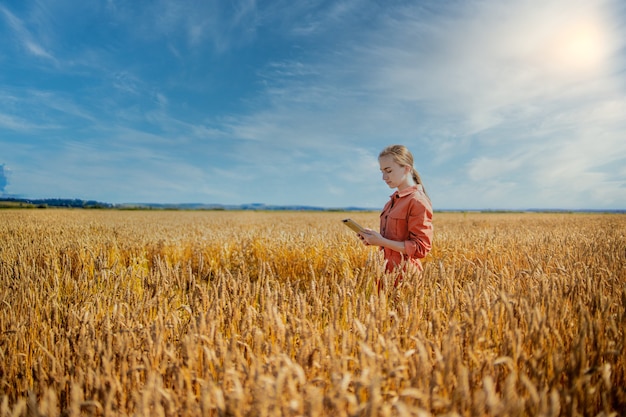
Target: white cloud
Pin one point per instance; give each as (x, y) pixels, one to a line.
(37, 50)
(14, 123)
(485, 168)
(24, 36)
(491, 56)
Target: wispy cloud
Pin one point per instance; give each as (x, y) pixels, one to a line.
(24, 37)
(15, 123)
(189, 25)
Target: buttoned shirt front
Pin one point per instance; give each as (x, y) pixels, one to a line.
(407, 217)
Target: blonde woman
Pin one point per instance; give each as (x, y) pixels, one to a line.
(406, 229)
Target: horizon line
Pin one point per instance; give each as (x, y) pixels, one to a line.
(82, 203)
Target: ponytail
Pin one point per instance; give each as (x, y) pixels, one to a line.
(418, 180)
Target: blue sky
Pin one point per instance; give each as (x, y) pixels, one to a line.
(505, 105)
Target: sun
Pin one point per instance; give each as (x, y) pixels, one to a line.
(578, 47)
(583, 46)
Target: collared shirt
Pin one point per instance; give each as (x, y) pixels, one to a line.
(407, 217)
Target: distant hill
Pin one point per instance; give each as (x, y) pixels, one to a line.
(52, 202)
(91, 204)
(251, 206)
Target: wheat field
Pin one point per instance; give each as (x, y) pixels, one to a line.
(209, 313)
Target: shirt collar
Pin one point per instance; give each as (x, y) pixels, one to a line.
(407, 191)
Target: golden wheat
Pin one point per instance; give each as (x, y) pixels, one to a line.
(179, 313)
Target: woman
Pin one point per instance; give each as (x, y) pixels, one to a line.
(406, 229)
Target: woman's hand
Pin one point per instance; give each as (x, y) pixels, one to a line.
(371, 237)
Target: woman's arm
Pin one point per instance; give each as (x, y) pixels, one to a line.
(372, 237)
(420, 231)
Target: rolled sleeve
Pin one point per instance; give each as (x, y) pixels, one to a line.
(420, 238)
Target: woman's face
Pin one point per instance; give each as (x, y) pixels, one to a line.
(394, 174)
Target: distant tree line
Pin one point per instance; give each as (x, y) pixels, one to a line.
(55, 202)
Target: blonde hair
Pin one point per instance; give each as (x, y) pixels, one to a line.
(403, 157)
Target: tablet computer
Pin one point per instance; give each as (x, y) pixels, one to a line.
(353, 225)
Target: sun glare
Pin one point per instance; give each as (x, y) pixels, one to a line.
(579, 47)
